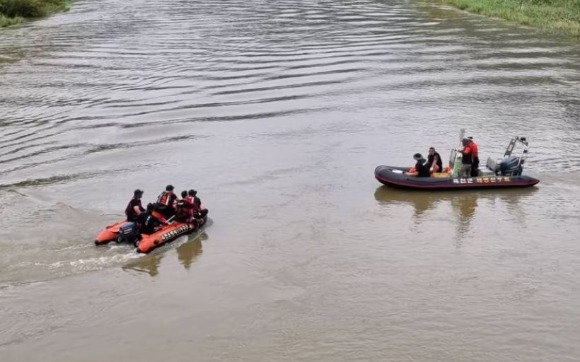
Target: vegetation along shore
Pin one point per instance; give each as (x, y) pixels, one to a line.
(553, 15)
(16, 11)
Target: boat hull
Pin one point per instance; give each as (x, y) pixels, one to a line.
(394, 176)
(109, 233)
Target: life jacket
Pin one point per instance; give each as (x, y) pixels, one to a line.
(474, 150)
(165, 198)
(193, 204)
(183, 210)
(467, 156)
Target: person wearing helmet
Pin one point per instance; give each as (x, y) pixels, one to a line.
(134, 207)
(421, 169)
(164, 204)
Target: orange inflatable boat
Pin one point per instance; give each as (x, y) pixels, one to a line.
(119, 231)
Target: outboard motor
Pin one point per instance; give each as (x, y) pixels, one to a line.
(128, 233)
(511, 166)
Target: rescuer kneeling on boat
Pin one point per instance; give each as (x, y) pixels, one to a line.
(134, 207)
(421, 169)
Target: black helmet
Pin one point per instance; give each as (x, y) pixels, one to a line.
(417, 156)
(169, 188)
(183, 194)
(192, 192)
(138, 192)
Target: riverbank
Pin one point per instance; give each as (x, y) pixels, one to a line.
(17, 11)
(553, 15)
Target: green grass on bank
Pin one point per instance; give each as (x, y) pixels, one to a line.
(15, 11)
(555, 15)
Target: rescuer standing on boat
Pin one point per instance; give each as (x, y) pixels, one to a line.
(475, 163)
(467, 159)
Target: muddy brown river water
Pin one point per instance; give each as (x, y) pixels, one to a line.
(277, 112)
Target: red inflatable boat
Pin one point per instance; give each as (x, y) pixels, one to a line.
(147, 242)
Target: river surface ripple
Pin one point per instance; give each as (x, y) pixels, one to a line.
(278, 112)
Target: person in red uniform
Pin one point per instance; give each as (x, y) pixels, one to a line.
(467, 160)
(165, 202)
(184, 209)
(475, 160)
(199, 211)
(134, 207)
(176, 202)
